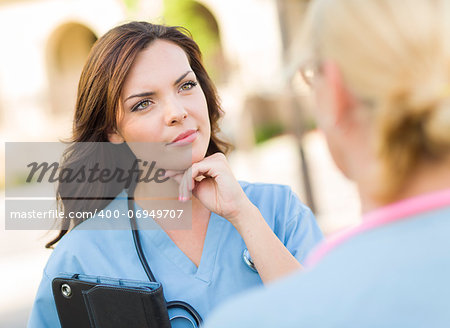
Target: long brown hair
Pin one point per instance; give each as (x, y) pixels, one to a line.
(99, 90)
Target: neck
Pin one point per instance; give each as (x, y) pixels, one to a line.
(426, 178)
(167, 190)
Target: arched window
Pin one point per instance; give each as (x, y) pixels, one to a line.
(205, 30)
(67, 50)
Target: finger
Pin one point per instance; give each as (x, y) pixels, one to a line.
(191, 183)
(178, 178)
(184, 192)
(199, 178)
(206, 169)
(188, 183)
(171, 173)
(195, 180)
(181, 189)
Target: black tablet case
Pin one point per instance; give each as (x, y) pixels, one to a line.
(99, 305)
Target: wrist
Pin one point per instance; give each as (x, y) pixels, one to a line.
(245, 217)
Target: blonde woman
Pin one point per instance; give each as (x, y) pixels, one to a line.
(380, 72)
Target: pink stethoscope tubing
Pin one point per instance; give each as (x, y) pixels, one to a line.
(398, 211)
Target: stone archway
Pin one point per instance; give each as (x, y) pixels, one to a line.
(67, 50)
(203, 25)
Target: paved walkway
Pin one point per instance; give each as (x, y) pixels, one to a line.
(22, 259)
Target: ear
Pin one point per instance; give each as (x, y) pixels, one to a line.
(115, 137)
(342, 100)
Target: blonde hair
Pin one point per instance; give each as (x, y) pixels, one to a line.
(396, 55)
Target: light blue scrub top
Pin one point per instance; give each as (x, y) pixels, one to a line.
(221, 274)
(396, 275)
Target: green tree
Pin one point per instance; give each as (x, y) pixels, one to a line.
(204, 29)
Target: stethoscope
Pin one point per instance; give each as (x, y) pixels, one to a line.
(248, 260)
(137, 243)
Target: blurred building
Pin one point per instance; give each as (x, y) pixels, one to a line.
(44, 46)
(45, 43)
(245, 44)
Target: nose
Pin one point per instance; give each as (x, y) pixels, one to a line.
(175, 112)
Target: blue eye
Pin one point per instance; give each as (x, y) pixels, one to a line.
(188, 85)
(141, 105)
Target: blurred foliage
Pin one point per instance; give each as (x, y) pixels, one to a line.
(131, 5)
(204, 29)
(310, 124)
(19, 179)
(268, 130)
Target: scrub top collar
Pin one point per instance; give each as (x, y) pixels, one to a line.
(397, 211)
(204, 272)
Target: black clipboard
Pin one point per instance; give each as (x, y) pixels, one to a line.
(84, 301)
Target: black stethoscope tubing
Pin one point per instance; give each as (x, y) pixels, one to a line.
(137, 243)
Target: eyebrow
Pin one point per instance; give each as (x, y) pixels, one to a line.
(151, 93)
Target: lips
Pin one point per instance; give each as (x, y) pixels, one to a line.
(185, 137)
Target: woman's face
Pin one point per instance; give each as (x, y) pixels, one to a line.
(163, 103)
(331, 110)
(341, 117)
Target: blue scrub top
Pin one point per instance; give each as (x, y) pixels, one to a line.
(221, 275)
(396, 275)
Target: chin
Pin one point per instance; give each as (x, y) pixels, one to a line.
(199, 150)
(198, 156)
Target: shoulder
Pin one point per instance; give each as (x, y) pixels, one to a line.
(77, 248)
(267, 309)
(278, 195)
(291, 220)
(330, 293)
(295, 301)
(409, 238)
(379, 266)
(258, 189)
(65, 256)
(276, 200)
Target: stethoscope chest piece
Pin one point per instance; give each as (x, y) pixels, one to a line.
(248, 260)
